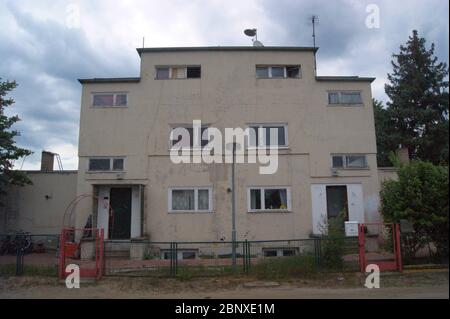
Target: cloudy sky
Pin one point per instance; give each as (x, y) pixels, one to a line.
(46, 45)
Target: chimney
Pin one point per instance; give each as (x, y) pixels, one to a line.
(403, 154)
(47, 161)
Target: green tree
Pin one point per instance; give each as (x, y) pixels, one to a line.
(9, 151)
(384, 133)
(420, 196)
(418, 106)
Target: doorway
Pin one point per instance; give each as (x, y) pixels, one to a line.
(337, 201)
(120, 213)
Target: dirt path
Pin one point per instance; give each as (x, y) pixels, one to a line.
(408, 285)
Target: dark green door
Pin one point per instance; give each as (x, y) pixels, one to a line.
(120, 216)
(337, 201)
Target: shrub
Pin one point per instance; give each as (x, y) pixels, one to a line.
(420, 196)
(285, 267)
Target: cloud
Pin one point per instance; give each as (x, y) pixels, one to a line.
(46, 45)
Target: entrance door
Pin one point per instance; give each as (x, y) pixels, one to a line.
(120, 214)
(337, 201)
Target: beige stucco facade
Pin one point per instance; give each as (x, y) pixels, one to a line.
(38, 208)
(228, 95)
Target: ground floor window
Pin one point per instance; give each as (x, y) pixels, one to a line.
(181, 254)
(279, 252)
(196, 199)
(269, 198)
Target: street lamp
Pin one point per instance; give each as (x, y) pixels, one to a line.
(233, 210)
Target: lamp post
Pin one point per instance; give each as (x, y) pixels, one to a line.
(233, 212)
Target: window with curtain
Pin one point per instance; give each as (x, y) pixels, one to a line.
(190, 199)
(349, 161)
(344, 98)
(268, 198)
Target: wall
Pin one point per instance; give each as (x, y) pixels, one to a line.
(27, 208)
(228, 95)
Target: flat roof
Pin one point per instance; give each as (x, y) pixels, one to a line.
(345, 78)
(226, 48)
(109, 80)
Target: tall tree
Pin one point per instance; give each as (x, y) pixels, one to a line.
(418, 106)
(9, 151)
(386, 137)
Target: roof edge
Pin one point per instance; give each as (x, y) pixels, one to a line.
(225, 48)
(110, 80)
(345, 78)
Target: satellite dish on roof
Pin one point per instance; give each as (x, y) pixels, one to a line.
(252, 33)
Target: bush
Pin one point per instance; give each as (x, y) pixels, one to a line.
(420, 196)
(333, 244)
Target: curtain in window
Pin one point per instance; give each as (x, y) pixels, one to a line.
(203, 199)
(283, 197)
(255, 199)
(356, 161)
(333, 98)
(351, 98)
(183, 200)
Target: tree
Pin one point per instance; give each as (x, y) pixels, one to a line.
(9, 151)
(420, 196)
(386, 139)
(418, 106)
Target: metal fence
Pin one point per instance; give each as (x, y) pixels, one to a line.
(23, 253)
(423, 250)
(147, 258)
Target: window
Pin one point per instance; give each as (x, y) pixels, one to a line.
(178, 72)
(289, 71)
(349, 161)
(269, 198)
(279, 252)
(162, 73)
(272, 135)
(344, 98)
(176, 137)
(109, 99)
(181, 254)
(106, 164)
(190, 199)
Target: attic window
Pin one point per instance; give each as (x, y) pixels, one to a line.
(178, 72)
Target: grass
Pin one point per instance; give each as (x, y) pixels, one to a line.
(29, 270)
(282, 268)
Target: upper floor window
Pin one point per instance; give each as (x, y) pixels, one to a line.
(184, 136)
(279, 71)
(109, 99)
(267, 135)
(349, 161)
(106, 164)
(176, 72)
(344, 98)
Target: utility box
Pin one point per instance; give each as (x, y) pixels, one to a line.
(351, 229)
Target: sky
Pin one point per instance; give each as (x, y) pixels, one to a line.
(47, 45)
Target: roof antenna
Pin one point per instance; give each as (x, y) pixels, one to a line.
(314, 20)
(143, 42)
(253, 33)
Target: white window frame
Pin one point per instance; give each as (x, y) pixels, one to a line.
(195, 210)
(111, 160)
(270, 76)
(263, 205)
(114, 100)
(279, 251)
(171, 67)
(264, 146)
(344, 161)
(189, 148)
(339, 93)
